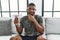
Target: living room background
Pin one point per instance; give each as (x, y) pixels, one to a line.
(45, 8)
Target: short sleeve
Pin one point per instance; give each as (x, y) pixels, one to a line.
(21, 22)
(40, 20)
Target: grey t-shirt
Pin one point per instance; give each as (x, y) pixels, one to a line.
(30, 30)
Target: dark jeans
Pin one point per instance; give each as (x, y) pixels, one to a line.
(29, 37)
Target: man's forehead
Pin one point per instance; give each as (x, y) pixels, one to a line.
(31, 6)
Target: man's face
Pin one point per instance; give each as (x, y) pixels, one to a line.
(31, 10)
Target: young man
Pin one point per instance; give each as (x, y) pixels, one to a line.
(33, 25)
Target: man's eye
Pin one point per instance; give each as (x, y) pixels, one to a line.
(29, 8)
(33, 9)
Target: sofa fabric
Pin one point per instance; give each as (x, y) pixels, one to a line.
(52, 25)
(51, 28)
(5, 26)
(53, 37)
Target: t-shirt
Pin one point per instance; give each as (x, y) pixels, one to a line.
(30, 30)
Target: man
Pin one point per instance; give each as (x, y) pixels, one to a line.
(32, 23)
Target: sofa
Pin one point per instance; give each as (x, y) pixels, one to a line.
(51, 28)
(7, 28)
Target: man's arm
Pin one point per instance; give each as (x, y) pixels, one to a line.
(39, 27)
(18, 28)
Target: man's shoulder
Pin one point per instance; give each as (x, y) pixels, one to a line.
(24, 17)
(39, 19)
(38, 16)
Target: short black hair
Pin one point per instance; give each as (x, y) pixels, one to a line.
(31, 4)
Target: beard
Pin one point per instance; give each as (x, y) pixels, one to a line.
(31, 13)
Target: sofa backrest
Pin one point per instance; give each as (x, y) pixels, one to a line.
(52, 25)
(7, 26)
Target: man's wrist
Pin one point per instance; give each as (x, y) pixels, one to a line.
(16, 24)
(34, 21)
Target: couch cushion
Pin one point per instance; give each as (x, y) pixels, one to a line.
(7, 37)
(5, 26)
(52, 25)
(53, 37)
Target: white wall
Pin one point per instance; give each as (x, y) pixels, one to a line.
(38, 4)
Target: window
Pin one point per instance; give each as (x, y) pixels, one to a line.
(48, 8)
(48, 5)
(47, 14)
(4, 5)
(51, 8)
(13, 5)
(14, 13)
(0, 8)
(5, 14)
(57, 14)
(56, 5)
(0, 14)
(8, 8)
(22, 5)
(21, 14)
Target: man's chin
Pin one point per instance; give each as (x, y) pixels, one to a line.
(32, 14)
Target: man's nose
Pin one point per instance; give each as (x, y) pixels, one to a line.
(32, 10)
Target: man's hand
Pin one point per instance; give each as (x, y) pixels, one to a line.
(16, 21)
(17, 37)
(42, 37)
(31, 18)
